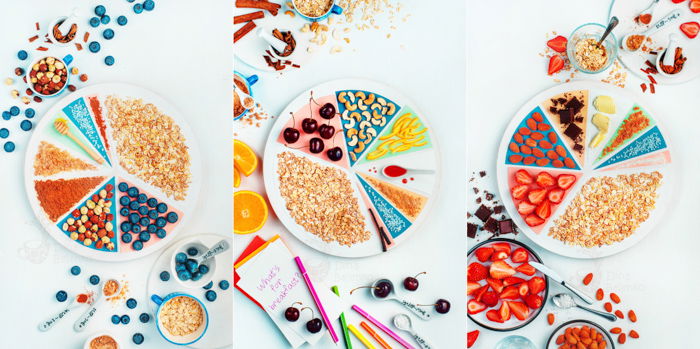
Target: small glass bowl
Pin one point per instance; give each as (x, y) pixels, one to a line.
(594, 31)
(551, 342)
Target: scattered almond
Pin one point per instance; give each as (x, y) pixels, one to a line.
(632, 316)
(587, 280)
(550, 318)
(615, 298)
(634, 334)
(607, 306)
(600, 294)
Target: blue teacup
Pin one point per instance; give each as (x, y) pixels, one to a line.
(247, 82)
(335, 9)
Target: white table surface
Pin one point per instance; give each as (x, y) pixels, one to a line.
(187, 65)
(504, 72)
(429, 70)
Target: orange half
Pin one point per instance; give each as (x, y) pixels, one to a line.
(249, 212)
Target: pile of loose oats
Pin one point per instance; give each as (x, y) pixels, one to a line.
(150, 145)
(181, 316)
(607, 210)
(320, 199)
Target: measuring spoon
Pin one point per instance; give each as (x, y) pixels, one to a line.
(82, 322)
(671, 17)
(51, 321)
(403, 322)
(419, 311)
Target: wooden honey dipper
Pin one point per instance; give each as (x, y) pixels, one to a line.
(61, 126)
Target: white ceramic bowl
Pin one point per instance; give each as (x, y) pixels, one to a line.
(211, 263)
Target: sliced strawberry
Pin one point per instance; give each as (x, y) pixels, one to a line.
(556, 63)
(544, 210)
(558, 44)
(520, 255)
(504, 311)
(519, 309)
(480, 293)
(525, 207)
(536, 196)
(496, 285)
(471, 338)
(501, 247)
(499, 256)
(533, 301)
(474, 307)
(695, 6)
(523, 177)
(483, 254)
(523, 290)
(501, 270)
(472, 286)
(556, 195)
(545, 180)
(533, 220)
(526, 269)
(519, 191)
(512, 280)
(677, 1)
(690, 29)
(476, 272)
(565, 181)
(536, 285)
(510, 292)
(490, 298)
(494, 316)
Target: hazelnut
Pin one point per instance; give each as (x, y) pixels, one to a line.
(19, 71)
(83, 77)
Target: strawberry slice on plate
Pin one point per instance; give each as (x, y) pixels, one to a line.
(480, 293)
(494, 316)
(545, 180)
(536, 196)
(544, 210)
(519, 309)
(558, 43)
(501, 270)
(525, 207)
(565, 181)
(471, 338)
(490, 299)
(472, 286)
(694, 6)
(533, 301)
(476, 272)
(510, 292)
(519, 191)
(496, 285)
(523, 177)
(556, 63)
(520, 255)
(483, 253)
(533, 220)
(512, 280)
(523, 290)
(690, 29)
(475, 307)
(504, 311)
(501, 247)
(536, 285)
(499, 256)
(526, 269)
(556, 195)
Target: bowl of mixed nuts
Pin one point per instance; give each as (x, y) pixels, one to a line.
(316, 10)
(48, 76)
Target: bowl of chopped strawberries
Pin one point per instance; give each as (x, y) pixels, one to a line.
(504, 292)
(580, 334)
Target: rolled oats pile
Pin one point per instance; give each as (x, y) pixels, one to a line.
(320, 199)
(181, 316)
(150, 145)
(589, 55)
(607, 210)
(313, 8)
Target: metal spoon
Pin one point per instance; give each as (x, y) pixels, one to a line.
(82, 322)
(403, 322)
(613, 23)
(565, 301)
(420, 312)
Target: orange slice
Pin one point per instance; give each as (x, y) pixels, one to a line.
(236, 178)
(244, 158)
(249, 212)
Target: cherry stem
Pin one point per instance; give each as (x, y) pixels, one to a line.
(336, 133)
(312, 311)
(419, 274)
(357, 288)
(426, 305)
(302, 147)
(300, 303)
(294, 121)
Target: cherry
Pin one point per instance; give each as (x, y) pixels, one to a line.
(442, 306)
(316, 145)
(335, 154)
(291, 314)
(411, 283)
(326, 131)
(291, 135)
(309, 125)
(327, 111)
(314, 325)
(383, 289)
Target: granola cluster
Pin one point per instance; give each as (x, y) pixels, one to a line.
(181, 316)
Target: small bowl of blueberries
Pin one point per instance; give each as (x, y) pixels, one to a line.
(194, 264)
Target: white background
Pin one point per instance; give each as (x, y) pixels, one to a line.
(187, 64)
(429, 70)
(656, 277)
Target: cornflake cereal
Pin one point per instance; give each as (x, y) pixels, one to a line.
(607, 210)
(320, 199)
(181, 316)
(50, 160)
(313, 8)
(150, 145)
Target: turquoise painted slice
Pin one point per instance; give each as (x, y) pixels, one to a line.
(394, 221)
(421, 127)
(647, 143)
(79, 113)
(63, 225)
(523, 124)
(350, 124)
(635, 108)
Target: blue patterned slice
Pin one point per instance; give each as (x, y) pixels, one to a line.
(405, 134)
(364, 115)
(649, 142)
(79, 113)
(395, 222)
(92, 224)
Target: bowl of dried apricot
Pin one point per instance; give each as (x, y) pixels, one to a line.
(580, 334)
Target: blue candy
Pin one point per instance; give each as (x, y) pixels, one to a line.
(105, 19)
(208, 286)
(144, 318)
(125, 319)
(123, 187)
(224, 285)
(100, 10)
(22, 54)
(94, 280)
(138, 8)
(61, 296)
(137, 245)
(95, 22)
(133, 192)
(180, 257)
(6, 115)
(4, 133)
(152, 202)
(192, 251)
(160, 233)
(162, 208)
(14, 111)
(116, 319)
(25, 125)
(148, 5)
(75, 270)
(164, 276)
(131, 303)
(210, 295)
(9, 147)
(94, 47)
(137, 338)
(124, 212)
(121, 20)
(126, 238)
(108, 33)
(144, 236)
(29, 113)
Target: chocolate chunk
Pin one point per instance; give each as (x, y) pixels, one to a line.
(498, 209)
(566, 116)
(574, 104)
(483, 213)
(578, 147)
(482, 173)
(489, 196)
(476, 190)
(553, 109)
(561, 100)
(491, 225)
(478, 200)
(573, 131)
(469, 215)
(471, 230)
(506, 226)
(579, 119)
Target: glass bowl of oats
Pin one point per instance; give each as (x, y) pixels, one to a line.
(584, 52)
(181, 319)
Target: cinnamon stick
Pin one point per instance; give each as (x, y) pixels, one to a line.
(259, 4)
(242, 31)
(248, 17)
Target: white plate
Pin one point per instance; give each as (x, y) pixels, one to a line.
(627, 10)
(220, 318)
(425, 158)
(44, 132)
(250, 49)
(590, 169)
